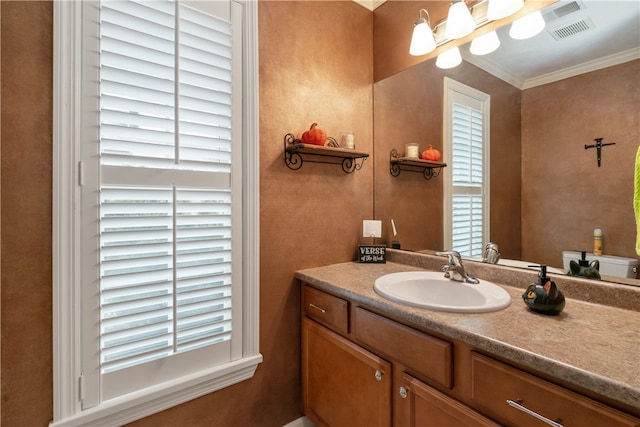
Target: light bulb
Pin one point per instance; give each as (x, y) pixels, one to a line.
(485, 44)
(459, 21)
(422, 41)
(527, 26)
(449, 59)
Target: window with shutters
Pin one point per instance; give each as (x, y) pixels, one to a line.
(466, 192)
(155, 212)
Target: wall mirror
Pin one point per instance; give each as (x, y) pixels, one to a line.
(549, 98)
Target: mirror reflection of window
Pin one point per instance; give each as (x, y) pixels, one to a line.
(466, 188)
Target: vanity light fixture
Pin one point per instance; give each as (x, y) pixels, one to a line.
(459, 21)
(422, 41)
(449, 59)
(462, 20)
(485, 44)
(499, 9)
(527, 26)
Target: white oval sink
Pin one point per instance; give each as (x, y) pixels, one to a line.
(430, 289)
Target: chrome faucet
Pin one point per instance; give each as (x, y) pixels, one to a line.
(491, 254)
(455, 270)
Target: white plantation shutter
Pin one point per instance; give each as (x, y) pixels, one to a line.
(165, 251)
(170, 286)
(204, 92)
(165, 85)
(165, 275)
(467, 180)
(155, 207)
(466, 191)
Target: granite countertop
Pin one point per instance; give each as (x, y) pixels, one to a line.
(590, 345)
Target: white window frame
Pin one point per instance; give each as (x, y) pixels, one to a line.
(450, 88)
(67, 307)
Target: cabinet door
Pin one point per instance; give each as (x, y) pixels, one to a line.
(423, 406)
(343, 384)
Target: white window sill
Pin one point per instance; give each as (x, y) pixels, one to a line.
(135, 406)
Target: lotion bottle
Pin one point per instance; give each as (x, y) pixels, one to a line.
(597, 242)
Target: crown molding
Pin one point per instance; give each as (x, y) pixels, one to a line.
(370, 4)
(586, 67)
(565, 73)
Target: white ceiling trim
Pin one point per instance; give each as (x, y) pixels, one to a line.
(493, 68)
(369, 4)
(586, 67)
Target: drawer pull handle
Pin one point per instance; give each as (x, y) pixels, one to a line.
(403, 393)
(526, 410)
(320, 309)
(378, 375)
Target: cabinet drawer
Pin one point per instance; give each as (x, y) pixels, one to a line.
(505, 393)
(430, 356)
(327, 309)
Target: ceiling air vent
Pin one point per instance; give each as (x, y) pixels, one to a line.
(572, 29)
(564, 10)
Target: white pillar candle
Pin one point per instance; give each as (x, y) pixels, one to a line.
(412, 151)
(347, 140)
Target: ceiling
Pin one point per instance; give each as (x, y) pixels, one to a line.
(579, 36)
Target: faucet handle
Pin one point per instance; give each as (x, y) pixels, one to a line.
(454, 256)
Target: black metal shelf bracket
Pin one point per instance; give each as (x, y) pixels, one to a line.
(428, 169)
(296, 153)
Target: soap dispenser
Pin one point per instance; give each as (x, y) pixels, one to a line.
(583, 268)
(544, 296)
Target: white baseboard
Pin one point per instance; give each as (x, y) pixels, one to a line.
(300, 422)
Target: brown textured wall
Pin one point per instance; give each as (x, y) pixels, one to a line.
(565, 195)
(316, 64)
(26, 213)
(408, 107)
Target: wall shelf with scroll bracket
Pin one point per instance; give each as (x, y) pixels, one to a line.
(428, 168)
(296, 153)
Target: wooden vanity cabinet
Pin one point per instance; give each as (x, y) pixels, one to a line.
(360, 368)
(345, 384)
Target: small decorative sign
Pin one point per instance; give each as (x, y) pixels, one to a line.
(372, 254)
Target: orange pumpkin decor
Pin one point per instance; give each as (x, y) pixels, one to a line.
(314, 135)
(431, 154)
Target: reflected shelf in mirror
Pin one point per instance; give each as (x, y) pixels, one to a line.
(429, 169)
